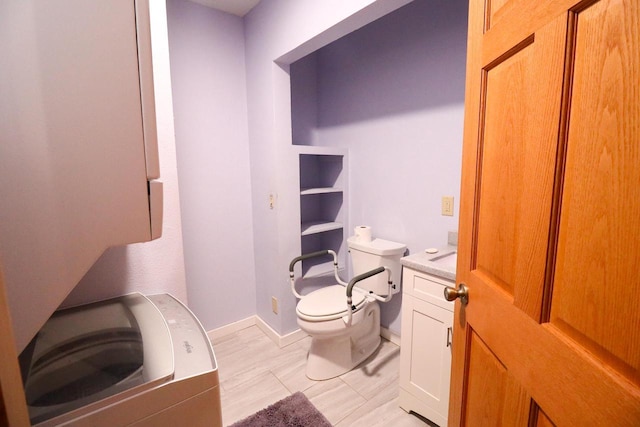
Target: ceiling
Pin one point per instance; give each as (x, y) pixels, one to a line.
(235, 7)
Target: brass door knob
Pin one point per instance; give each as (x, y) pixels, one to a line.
(462, 292)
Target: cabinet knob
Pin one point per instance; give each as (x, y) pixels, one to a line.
(462, 292)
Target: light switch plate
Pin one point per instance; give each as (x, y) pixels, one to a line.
(447, 205)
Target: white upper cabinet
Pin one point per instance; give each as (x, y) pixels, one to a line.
(78, 148)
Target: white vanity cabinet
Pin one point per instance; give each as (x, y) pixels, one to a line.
(425, 351)
(78, 149)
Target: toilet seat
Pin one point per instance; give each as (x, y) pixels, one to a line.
(328, 303)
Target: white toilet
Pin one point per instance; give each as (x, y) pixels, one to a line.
(340, 341)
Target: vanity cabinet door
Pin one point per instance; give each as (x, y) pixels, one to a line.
(425, 359)
(78, 147)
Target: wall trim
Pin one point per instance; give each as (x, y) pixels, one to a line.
(280, 340)
(390, 336)
(231, 328)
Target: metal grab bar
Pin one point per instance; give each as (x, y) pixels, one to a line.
(349, 285)
(363, 276)
(313, 255)
(355, 280)
(307, 256)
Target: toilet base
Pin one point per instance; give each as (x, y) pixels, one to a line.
(333, 355)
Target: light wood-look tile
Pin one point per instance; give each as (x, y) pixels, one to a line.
(379, 371)
(255, 394)
(255, 372)
(241, 336)
(382, 410)
(249, 355)
(376, 413)
(291, 372)
(334, 399)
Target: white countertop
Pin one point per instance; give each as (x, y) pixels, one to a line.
(433, 263)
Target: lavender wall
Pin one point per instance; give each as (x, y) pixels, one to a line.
(393, 93)
(278, 32)
(227, 173)
(210, 106)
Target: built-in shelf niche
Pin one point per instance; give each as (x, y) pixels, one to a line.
(320, 212)
(321, 173)
(322, 209)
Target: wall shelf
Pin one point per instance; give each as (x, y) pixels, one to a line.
(320, 190)
(314, 227)
(322, 207)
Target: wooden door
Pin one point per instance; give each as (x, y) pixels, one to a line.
(550, 216)
(13, 406)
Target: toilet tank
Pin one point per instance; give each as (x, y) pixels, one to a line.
(366, 256)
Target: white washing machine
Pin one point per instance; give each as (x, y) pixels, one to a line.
(132, 360)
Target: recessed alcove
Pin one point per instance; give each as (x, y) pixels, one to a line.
(386, 102)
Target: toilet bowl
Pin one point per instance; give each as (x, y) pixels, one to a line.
(341, 340)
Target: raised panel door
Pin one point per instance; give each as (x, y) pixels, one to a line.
(549, 216)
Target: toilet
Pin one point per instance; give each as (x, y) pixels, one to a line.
(339, 340)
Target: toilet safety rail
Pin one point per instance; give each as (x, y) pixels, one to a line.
(349, 285)
(356, 279)
(314, 255)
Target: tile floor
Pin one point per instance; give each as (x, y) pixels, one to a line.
(255, 372)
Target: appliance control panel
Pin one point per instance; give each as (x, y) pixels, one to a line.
(191, 346)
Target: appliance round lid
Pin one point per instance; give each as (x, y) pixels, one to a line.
(331, 300)
(86, 354)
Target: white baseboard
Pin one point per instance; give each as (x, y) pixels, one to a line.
(390, 336)
(231, 328)
(280, 340)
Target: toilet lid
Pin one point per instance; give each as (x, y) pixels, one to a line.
(328, 301)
